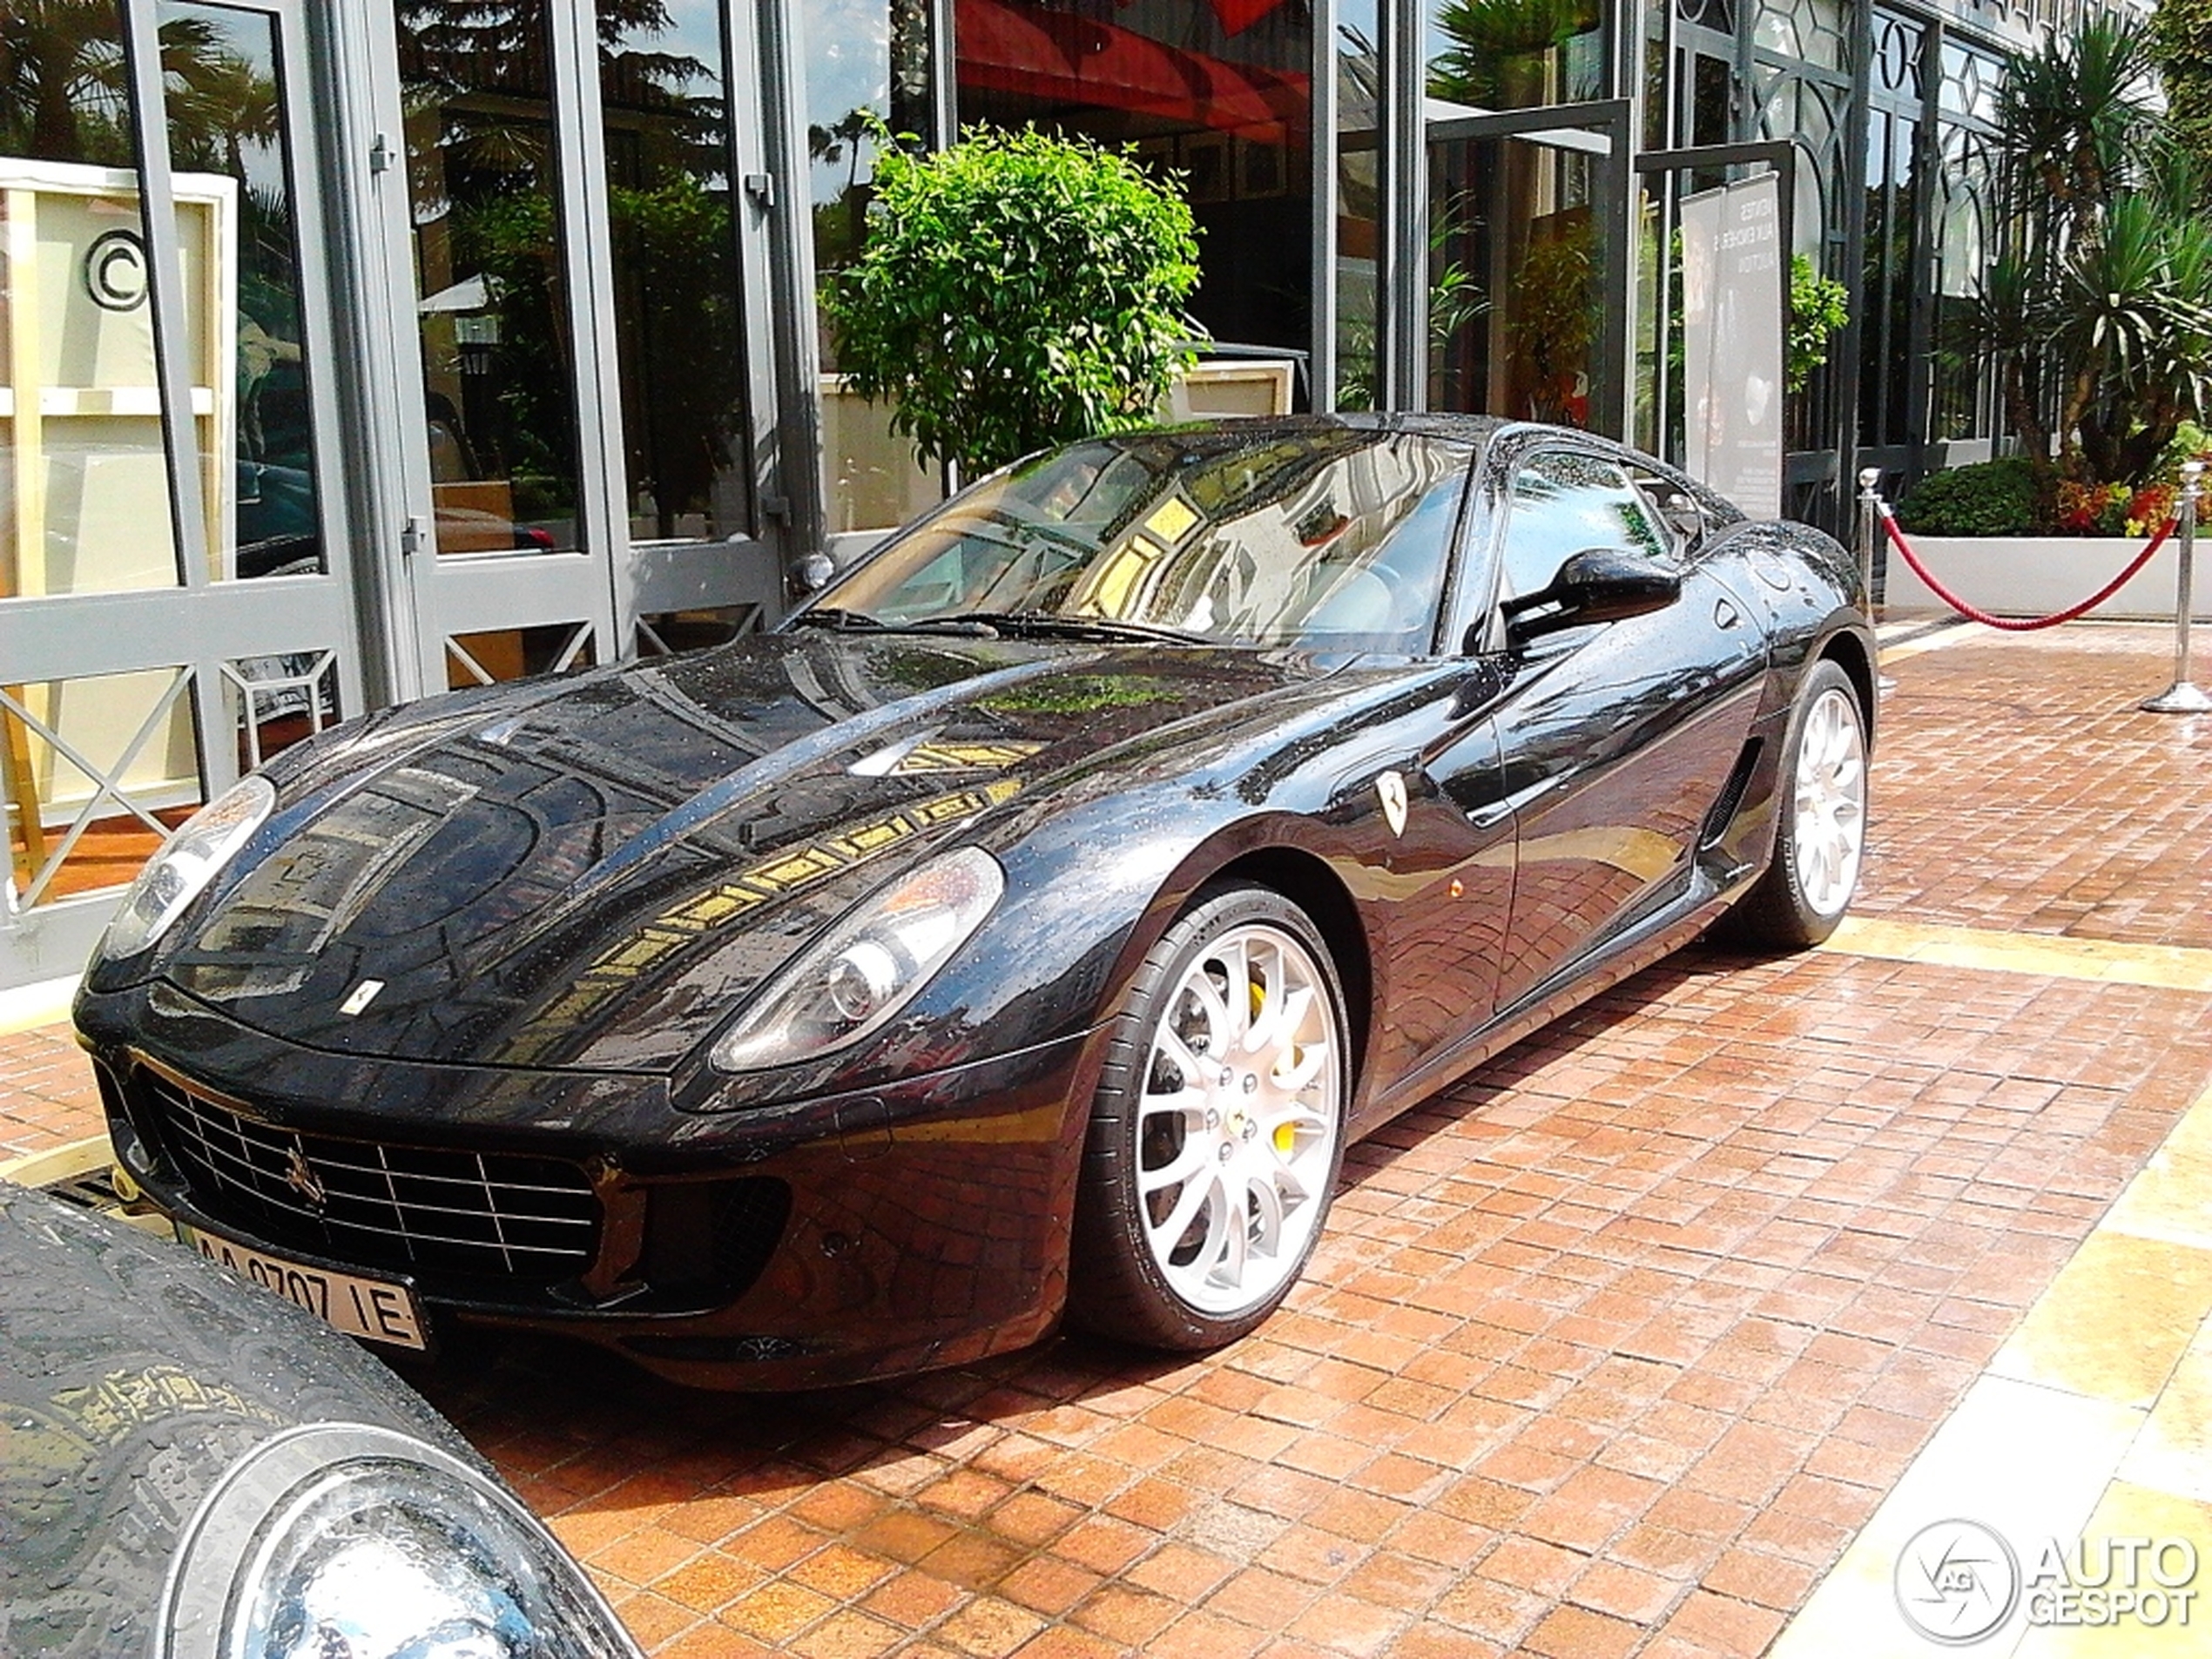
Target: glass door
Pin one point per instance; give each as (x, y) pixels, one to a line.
(1528, 264)
(177, 554)
(507, 544)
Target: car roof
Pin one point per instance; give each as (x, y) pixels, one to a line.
(1460, 428)
(1477, 430)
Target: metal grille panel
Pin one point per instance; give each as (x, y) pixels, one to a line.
(413, 1209)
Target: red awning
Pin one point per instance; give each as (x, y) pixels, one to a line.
(1005, 46)
(1237, 16)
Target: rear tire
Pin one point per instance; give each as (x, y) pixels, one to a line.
(1820, 819)
(1217, 1128)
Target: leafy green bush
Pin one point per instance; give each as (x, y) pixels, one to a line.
(1016, 290)
(1988, 498)
(1819, 307)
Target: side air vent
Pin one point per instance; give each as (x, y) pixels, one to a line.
(707, 1241)
(1731, 797)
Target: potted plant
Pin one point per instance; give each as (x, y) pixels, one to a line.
(1015, 291)
(2098, 318)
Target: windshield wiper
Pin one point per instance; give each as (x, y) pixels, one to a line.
(1035, 623)
(831, 617)
(860, 621)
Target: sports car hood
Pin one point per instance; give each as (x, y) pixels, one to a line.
(595, 873)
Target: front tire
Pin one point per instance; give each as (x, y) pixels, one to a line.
(1217, 1128)
(1820, 828)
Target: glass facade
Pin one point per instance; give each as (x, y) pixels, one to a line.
(160, 437)
(869, 64)
(1357, 57)
(665, 98)
(483, 175)
(1217, 93)
(441, 341)
(229, 124)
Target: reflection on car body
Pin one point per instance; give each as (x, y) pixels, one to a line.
(1026, 925)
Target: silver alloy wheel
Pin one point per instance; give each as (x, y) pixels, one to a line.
(1829, 828)
(1239, 1120)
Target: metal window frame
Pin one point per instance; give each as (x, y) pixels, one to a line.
(202, 626)
(1612, 384)
(1779, 156)
(1401, 284)
(423, 599)
(743, 568)
(1401, 287)
(1321, 118)
(794, 455)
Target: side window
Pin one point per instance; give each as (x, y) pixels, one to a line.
(1563, 502)
(1388, 595)
(1680, 518)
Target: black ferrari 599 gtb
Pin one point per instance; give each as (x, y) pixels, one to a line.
(1026, 924)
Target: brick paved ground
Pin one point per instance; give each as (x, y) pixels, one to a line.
(46, 1093)
(1607, 1350)
(2026, 790)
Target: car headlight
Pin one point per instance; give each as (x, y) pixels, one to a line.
(343, 1540)
(867, 967)
(187, 862)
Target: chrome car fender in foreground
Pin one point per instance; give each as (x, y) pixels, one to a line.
(194, 1471)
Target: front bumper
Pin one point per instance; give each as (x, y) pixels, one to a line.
(824, 1241)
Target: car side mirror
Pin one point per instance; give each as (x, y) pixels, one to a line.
(1597, 584)
(813, 574)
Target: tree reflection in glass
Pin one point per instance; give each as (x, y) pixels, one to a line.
(679, 344)
(498, 381)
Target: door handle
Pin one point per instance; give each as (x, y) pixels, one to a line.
(1496, 812)
(1725, 615)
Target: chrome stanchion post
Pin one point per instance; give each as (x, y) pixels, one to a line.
(2184, 697)
(1869, 528)
(1869, 532)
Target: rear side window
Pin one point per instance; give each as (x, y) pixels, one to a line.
(1564, 501)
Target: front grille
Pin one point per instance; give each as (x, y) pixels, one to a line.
(414, 1208)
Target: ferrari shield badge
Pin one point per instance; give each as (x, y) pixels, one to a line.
(361, 996)
(1391, 788)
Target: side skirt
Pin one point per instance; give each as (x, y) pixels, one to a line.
(1626, 955)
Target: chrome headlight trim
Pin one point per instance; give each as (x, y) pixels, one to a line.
(867, 967)
(188, 860)
(256, 1535)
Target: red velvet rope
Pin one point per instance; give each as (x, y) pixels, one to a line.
(2016, 624)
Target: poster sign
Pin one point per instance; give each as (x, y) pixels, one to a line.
(1732, 262)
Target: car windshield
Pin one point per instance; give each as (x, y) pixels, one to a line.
(1331, 538)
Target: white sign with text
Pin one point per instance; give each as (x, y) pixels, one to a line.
(1733, 263)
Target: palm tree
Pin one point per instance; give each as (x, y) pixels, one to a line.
(64, 88)
(220, 107)
(2099, 316)
(844, 139)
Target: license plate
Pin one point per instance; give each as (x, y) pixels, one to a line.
(376, 1310)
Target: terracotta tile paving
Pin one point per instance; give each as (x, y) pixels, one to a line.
(47, 1098)
(2021, 787)
(1608, 1351)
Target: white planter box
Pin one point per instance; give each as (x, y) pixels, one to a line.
(2034, 576)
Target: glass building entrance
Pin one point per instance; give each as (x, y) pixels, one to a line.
(352, 353)
(352, 350)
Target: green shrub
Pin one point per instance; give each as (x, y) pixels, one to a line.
(1820, 308)
(1016, 290)
(1988, 498)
